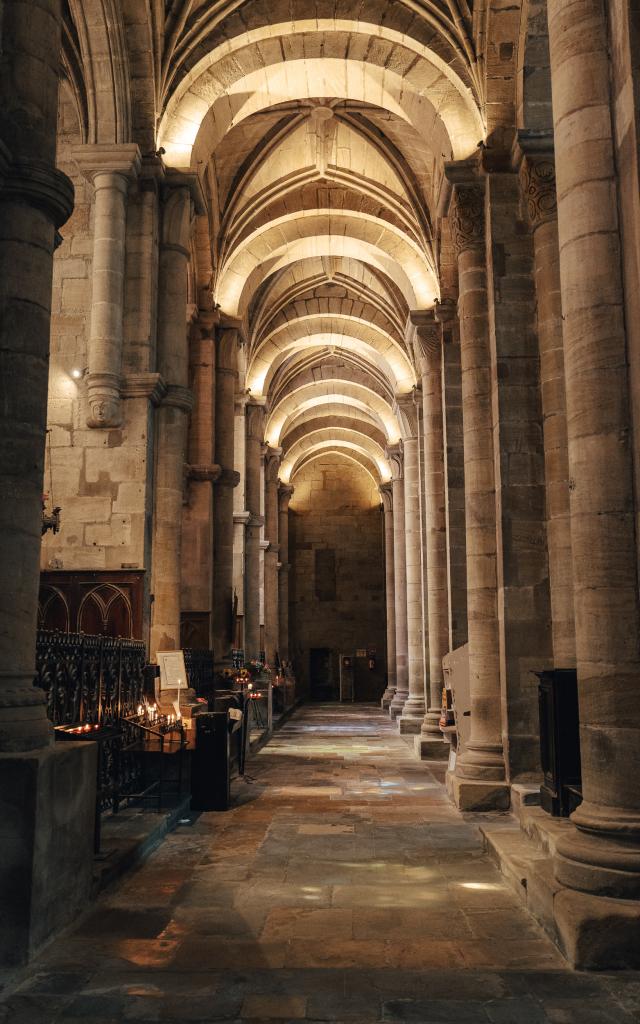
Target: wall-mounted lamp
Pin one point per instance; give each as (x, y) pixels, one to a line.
(77, 373)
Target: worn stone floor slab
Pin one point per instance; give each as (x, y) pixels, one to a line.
(343, 888)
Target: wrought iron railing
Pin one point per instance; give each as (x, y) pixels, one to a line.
(93, 680)
(200, 673)
(93, 683)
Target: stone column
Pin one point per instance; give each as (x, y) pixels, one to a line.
(227, 340)
(454, 476)
(413, 711)
(430, 744)
(285, 492)
(538, 181)
(603, 855)
(386, 493)
(396, 459)
(47, 791)
(271, 555)
(255, 436)
(35, 200)
(479, 778)
(110, 169)
(171, 420)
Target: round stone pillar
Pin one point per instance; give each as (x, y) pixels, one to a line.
(255, 436)
(396, 459)
(479, 781)
(386, 493)
(431, 744)
(171, 421)
(110, 169)
(413, 711)
(35, 200)
(271, 523)
(285, 492)
(227, 339)
(603, 855)
(537, 175)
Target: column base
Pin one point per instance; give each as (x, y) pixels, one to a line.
(597, 932)
(598, 864)
(430, 748)
(387, 697)
(408, 725)
(47, 810)
(472, 795)
(397, 704)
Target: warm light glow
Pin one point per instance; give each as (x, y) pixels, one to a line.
(76, 373)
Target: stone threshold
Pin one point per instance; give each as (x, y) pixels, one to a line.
(591, 932)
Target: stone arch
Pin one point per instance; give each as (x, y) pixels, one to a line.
(205, 104)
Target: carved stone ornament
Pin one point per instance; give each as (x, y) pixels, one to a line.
(538, 183)
(466, 218)
(103, 397)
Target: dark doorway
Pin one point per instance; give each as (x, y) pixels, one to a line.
(322, 686)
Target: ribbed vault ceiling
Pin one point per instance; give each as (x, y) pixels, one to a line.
(319, 133)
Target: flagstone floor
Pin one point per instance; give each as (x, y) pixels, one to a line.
(343, 888)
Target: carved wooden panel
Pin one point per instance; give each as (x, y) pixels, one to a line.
(97, 603)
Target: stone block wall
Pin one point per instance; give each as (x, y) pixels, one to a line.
(335, 507)
(101, 478)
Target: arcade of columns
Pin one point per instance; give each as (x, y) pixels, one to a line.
(452, 310)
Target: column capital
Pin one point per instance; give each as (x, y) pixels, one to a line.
(386, 493)
(395, 456)
(228, 478)
(103, 158)
(272, 458)
(177, 220)
(534, 156)
(144, 385)
(227, 345)
(178, 397)
(255, 414)
(466, 210)
(210, 472)
(189, 180)
(285, 493)
(406, 409)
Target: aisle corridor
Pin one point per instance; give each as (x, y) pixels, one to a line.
(345, 888)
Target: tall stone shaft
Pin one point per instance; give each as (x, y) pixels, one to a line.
(479, 779)
(386, 493)
(227, 338)
(400, 581)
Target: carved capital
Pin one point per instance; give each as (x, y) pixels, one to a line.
(285, 493)
(466, 217)
(386, 493)
(144, 385)
(227, 344)
(255, 413)
(406, 409)
(395, 456)
(210, 472)
(178, 397)
(272, 457)
(177, 220)
(227, 478)
(538, 184)
(103, 397)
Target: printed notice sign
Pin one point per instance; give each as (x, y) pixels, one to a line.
(173, 673)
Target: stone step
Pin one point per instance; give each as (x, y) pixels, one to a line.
(542, 829)
(514, 854)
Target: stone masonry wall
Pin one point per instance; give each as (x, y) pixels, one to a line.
(335, 507)
(100, 477)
